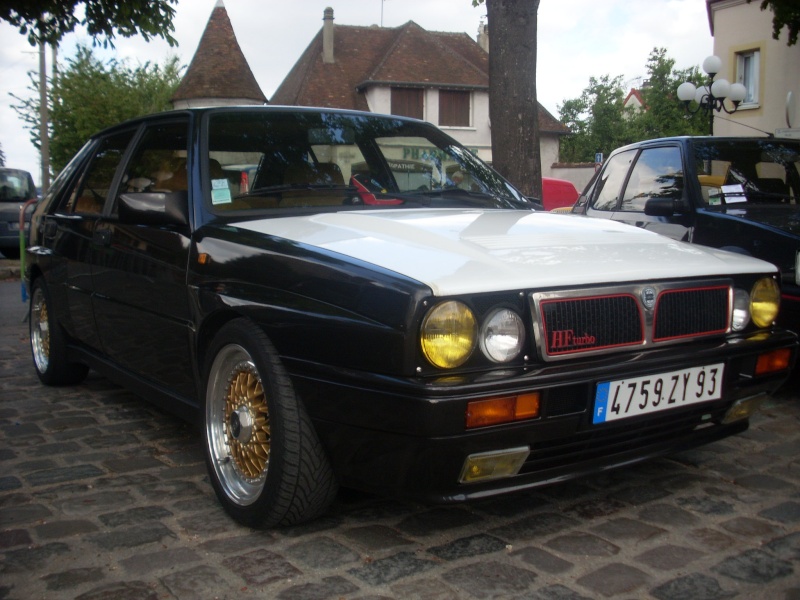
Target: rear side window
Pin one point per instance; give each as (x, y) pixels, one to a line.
(609, 184)
(657, 174)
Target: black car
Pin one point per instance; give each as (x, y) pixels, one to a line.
(739, 194)
(16, 190)
(279, 277)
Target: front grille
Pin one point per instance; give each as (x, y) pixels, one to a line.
(601, 320)
(682, 313)
(591, 323)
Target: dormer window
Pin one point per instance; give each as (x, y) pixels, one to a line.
(454, 108)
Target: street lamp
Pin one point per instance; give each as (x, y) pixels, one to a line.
(711, 97)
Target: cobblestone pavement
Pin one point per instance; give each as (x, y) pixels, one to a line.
(103, 496)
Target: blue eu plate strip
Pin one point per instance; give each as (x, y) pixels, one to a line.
(601, 403)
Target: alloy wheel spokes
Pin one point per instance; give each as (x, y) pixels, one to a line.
(246, 418)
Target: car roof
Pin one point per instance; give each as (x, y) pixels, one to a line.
(686, 140)
(198, 112)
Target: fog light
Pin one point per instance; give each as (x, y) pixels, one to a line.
(772, 362)
(485, 466)
(744, 408)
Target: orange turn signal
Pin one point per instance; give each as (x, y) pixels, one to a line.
(493, 411)
(771, 362)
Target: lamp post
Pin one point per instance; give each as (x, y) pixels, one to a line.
(711, 97)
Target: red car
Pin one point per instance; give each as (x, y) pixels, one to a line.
(558, 193)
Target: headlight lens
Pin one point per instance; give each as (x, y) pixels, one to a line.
(502, 335)
(449, 333)
(765, 300)
(741, 310)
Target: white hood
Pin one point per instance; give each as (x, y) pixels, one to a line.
(461, 251)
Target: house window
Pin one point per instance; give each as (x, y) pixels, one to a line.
(407, 102)
(454, 108)
(747, 74)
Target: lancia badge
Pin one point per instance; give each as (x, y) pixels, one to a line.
(648, 297)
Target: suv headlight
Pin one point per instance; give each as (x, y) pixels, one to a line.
(765, 300)
(502, 335)
(448, 334)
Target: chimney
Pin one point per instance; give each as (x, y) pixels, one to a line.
(327, 35)
(483, 36)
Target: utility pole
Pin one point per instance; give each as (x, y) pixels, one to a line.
(44, 138)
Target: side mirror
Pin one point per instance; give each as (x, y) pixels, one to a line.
(662, 207)
(154, 208)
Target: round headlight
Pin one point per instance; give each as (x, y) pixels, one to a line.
(741, 310)
(502, 335)
(448, 334)
(765, 300)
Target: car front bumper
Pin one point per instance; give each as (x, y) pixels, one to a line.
(408, 436)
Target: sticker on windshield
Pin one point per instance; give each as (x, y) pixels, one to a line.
(220, 192)
(734, 193)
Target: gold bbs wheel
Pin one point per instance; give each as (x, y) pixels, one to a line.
(247, 422)
(237, 425)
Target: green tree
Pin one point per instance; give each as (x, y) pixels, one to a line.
(600, 123)
(785, 13)
(513, 106)
(49, 20)
(664, 114)
(89, 95)
(596, 119)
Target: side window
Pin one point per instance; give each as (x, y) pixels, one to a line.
(657, 174)
(609, 184)
(158, 164)
(90, 194)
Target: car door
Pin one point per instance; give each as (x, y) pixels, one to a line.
(653, 194)
(68, 233)
(139, 270)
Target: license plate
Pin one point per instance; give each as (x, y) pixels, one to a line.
(653, 393)
(13, 225)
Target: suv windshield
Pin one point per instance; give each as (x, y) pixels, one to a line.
(736, 171)
(309, 160)
(16, 186)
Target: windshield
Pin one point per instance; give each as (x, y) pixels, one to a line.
(305, 160)
(743, 170)
(16, 186)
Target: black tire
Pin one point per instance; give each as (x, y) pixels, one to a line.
(264, 458)
(49, 342)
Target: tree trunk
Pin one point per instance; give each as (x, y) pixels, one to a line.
(513, 108)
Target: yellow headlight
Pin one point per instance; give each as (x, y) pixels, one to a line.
(448, 335)
(765, 300)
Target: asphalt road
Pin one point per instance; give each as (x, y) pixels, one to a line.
(103, 496)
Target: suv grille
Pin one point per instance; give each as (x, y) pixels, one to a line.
(598, 321)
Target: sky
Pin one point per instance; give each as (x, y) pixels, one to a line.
(577, 40)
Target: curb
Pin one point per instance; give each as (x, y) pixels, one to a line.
(9, 270)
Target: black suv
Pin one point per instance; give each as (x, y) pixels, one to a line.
(738, 194)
